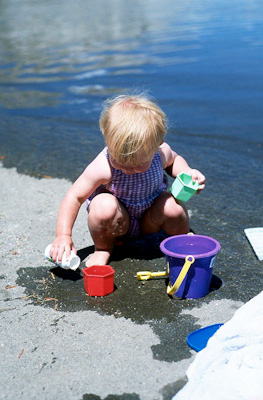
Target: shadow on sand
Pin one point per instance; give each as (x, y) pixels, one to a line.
(147, 248)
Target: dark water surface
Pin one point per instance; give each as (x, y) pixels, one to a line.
(201, 60)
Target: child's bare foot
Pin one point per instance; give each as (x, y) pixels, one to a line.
(99, 257)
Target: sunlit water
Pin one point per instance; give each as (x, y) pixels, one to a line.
(202, 61)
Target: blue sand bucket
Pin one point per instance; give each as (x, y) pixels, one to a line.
(190, 261)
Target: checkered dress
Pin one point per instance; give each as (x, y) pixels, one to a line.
(137, 191)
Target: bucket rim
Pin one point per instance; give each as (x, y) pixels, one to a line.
(197, 256)
(91, 272)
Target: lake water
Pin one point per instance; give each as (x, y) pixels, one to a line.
(203, 62)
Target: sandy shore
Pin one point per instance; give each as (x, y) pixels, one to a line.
(53, 352)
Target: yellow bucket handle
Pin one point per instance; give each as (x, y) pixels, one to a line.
(189, 260)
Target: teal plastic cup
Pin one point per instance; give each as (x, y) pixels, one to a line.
(183, 188)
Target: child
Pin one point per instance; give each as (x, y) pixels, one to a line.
(125, 186)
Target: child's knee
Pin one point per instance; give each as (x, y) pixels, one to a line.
(107, 217)
(176, 218)
(173, 209)
(103, 207)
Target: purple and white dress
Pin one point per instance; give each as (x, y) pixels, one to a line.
(137, 191)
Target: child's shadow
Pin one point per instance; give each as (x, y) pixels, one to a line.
(146, 248)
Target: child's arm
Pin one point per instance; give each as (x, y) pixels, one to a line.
(174, 164)
(97, 172)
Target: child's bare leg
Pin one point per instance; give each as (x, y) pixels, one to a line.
(107, 220)
(166, 214)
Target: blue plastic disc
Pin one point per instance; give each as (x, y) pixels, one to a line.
(198, 339)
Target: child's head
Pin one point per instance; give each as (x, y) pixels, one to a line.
(133, 128)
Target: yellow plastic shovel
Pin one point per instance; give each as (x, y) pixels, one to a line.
(145, 275)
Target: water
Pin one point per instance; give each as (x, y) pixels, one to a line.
(201, 60)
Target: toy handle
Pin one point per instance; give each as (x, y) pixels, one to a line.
(145, 275)
(189, 260)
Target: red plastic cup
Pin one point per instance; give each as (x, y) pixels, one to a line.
(98, 280)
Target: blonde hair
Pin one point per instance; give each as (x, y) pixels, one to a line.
(133, 127)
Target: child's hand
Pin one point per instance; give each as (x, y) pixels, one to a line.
(61, 244)
(197, 176)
